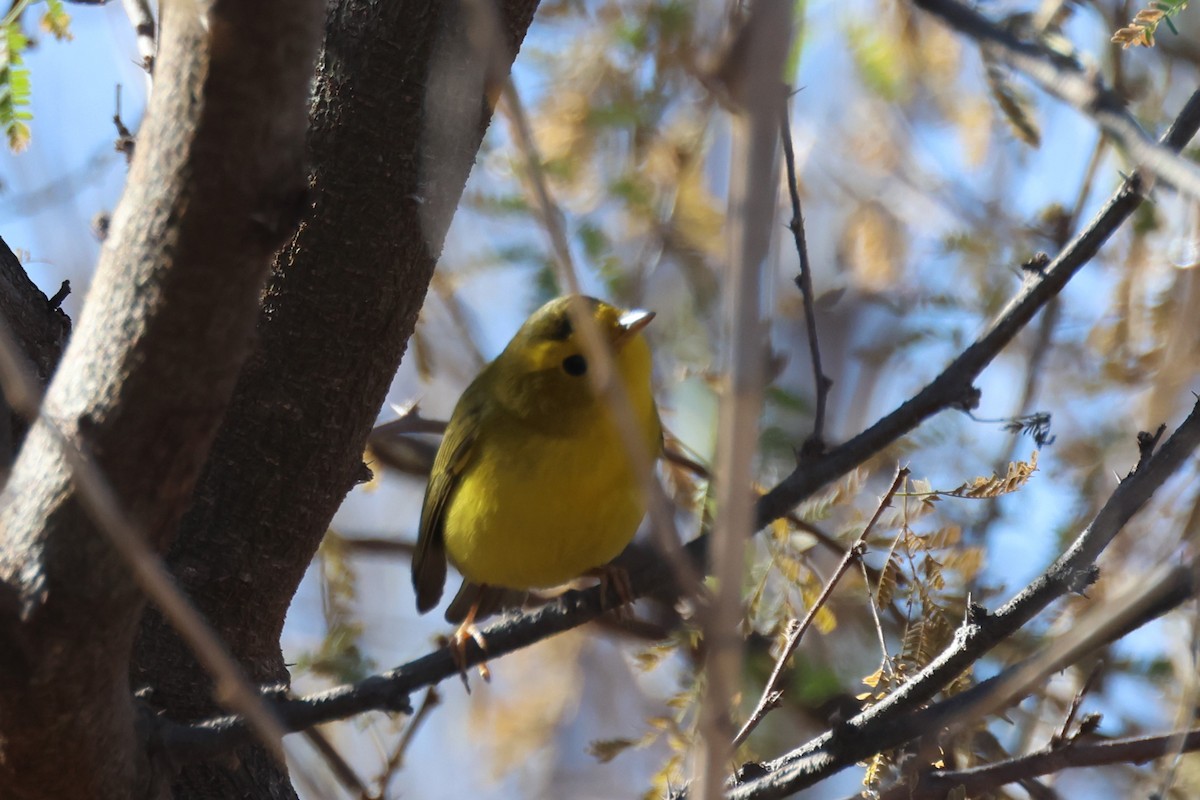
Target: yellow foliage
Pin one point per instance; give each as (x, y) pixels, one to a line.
(1019, 473)
(541, 686)
(874, 245)
(810, 590)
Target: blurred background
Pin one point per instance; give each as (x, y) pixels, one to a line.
(928, 176)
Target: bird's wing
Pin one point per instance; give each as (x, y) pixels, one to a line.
(455, 453)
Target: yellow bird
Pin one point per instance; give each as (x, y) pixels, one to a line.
(532, 486)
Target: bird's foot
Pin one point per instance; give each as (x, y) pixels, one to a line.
(457, 643)
(615, 579)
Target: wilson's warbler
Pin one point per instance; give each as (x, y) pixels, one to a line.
(532, 486)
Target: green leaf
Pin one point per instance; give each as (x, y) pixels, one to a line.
(15, 90)
(56, 21)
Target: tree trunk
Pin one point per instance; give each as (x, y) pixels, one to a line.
(214, 188)
(402, 101)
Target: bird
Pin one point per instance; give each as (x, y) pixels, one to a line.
(532, 486)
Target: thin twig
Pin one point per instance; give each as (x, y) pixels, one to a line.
(674, 456)
(1067, 80)
(126, 142)
(1187, 703)
(396, 760)
(408, 421)
(1042, 346)
(885, 662)
(1077, 701)
(547, 210)
(831, 544)
(773, 691)
(814, 444)
(142, 19)
(458, 317)
(338, 765)
(396, 444)
(601, 372)
(750, 76)
(370, 545)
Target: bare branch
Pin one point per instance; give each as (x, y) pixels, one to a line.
(814, 444)
(1067, 80)
(396, 759)
(935, 785)
(142, 18)
(1152, 600)
(981, 631)
(338, 765)
(1065, 731)
(773, 691)
(750, 76)
(953, 387)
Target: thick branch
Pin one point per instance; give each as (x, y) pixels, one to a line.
(40, 328)
(216, 185)
(402, 99)
(1072, 755)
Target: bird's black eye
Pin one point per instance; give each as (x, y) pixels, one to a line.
(575, 365)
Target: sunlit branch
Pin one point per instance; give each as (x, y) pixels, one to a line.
(1150, 600)
(1071, 755)
(141, 17)
(1067, 80)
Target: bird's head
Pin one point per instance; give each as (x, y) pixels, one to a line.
(544, 369)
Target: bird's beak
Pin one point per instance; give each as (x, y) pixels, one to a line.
(630, 323)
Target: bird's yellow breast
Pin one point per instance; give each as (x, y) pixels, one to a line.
(537, 510)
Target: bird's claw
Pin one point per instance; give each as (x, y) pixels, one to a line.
(616, 578)
(457, 643)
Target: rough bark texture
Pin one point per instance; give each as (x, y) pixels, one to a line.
(40, 330)
(214, 188)
(400, 110)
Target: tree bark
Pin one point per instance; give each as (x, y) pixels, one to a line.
(40, 330)
(402, 101)
(215, 186)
